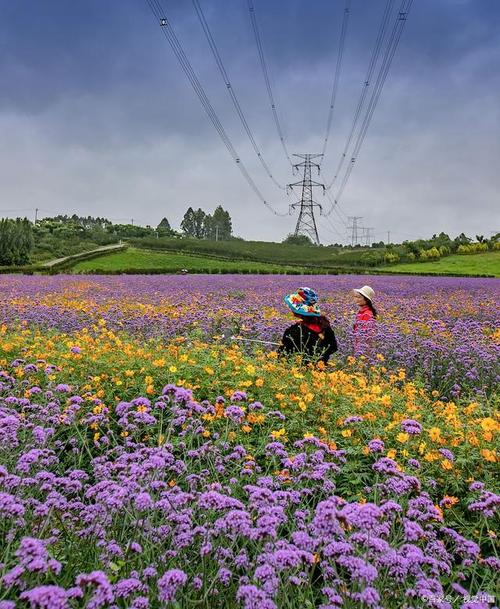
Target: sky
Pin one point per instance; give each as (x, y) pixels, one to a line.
(98, 118)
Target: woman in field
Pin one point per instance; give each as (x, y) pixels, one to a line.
(364, 324)
(312, 335)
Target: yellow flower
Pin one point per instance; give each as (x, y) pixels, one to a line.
(435, 434)
(278, 434)
(489, 424)
(347, 433)
(172, 369)
(259, 382)
(150, 389)
(489, 455)
(391, 453)
(386, 400)
(446, 465)
(449, 501)
(246, 428)
(402, 437)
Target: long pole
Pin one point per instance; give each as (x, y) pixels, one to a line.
(254, 340)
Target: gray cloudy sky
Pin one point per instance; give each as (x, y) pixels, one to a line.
(96, 116)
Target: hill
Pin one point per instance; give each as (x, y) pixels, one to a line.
(140, 260)
(474, 264)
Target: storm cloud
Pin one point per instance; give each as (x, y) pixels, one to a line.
(96, 116)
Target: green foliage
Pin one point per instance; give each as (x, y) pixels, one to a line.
(472, 248)
(192, 224)
(16, 241)
(200, 225)
(292, 239)
(391, 258)
(164, 229)
(485, 264)
(371, 258)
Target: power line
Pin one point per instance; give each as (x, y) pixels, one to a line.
(230, 89)
(371, 66)
(335, 85)
(188, 70)
(334, 228)
(379, 84)
(335, 207)
(265, 72)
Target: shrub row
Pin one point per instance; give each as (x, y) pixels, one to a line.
(207, 271)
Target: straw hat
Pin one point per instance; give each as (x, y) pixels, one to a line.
(367, 292)
(304, 302)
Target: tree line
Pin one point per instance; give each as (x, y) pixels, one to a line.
(200, 225)
(16, 241)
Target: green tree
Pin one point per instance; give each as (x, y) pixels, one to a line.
(298, 240)
(188, 223)
(164, 229)
(16, 241)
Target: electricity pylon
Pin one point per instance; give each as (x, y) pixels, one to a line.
(306, 223)
(354, 227)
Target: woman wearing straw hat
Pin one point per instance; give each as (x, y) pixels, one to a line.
(311, 335)
(364, 324)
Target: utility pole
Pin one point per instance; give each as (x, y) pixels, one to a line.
(367, 233)
(36, 215)
(388, 237)
(306, 222)
(354, 227)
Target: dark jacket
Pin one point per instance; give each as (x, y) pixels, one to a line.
(312, 345)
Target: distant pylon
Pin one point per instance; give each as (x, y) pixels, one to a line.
(306, 222)
(354, 227)
(368, 235)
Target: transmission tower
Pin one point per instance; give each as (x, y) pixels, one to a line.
(306, 223)
(368, 235)
(354, 228)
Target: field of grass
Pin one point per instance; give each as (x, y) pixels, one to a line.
(138, 259)
(480, 264)
(259, 251)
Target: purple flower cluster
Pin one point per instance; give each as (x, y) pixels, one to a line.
(127, 523)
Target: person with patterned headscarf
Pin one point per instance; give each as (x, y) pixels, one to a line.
(312, 335)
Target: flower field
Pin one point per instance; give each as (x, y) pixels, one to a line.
(146, 460)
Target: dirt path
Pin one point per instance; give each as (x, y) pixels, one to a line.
(104, 248)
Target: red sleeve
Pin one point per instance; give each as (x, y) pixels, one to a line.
(364, 316)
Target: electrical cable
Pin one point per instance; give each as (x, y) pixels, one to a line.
(371, 66)
(379, 84)
(265, 72)
(230, 90)
(188, 70)
(338, 67)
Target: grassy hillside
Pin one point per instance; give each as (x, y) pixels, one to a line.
(137, 259)
(480, 264)
(259, 251)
